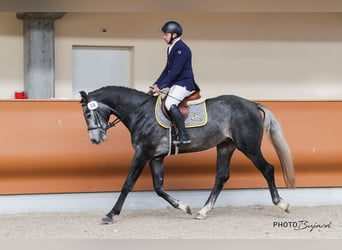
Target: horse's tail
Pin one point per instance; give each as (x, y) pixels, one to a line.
(273, 129)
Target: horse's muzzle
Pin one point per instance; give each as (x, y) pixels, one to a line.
(97, 136)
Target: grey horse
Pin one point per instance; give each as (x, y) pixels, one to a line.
(233, 123)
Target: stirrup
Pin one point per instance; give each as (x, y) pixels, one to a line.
(179, 142)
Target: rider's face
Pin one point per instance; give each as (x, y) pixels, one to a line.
(167, 37)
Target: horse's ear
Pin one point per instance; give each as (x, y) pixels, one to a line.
(84, 96)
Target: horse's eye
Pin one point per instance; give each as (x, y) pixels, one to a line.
(88, 116)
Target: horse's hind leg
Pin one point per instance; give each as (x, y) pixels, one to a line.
(268, 172)
(157, 171)
(224, 154)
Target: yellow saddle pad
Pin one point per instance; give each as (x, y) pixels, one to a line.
(197, 115)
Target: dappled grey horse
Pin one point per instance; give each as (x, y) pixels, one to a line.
(233, 123)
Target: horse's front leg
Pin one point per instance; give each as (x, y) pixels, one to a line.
(137, 166)
(157, 171)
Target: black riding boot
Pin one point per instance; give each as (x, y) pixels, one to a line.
(177, 118)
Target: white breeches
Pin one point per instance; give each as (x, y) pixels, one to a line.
(176, 95)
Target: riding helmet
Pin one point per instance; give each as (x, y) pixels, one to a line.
(172, 27)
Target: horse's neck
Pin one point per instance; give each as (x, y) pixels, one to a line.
(127, 105)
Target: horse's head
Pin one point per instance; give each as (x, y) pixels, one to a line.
(96, 115)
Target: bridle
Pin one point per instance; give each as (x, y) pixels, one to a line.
(93, 106)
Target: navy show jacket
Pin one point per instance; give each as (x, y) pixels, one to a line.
(178, 69)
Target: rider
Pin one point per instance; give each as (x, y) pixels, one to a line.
(177, 76)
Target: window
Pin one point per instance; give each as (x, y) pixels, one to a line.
(98, 66)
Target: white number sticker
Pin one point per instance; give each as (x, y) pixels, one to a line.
(92, 105)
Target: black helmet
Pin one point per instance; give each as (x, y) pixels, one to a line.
(172, 27)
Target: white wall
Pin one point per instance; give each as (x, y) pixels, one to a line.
(11, 55)
(274, 56)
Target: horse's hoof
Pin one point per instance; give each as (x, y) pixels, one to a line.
(185, 207)
(288, 209)
(188, 210)
(107, 220)
(200, 217)
(284, 206)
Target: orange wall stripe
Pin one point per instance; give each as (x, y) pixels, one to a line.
(45, 148)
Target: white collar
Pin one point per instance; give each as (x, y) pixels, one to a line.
(173, 44)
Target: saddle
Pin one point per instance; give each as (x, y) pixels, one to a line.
(192, 108)
(194, 113)
(183, 106)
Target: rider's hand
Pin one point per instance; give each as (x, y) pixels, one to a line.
(154, 88)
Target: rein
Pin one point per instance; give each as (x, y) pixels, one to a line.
(113, 123)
